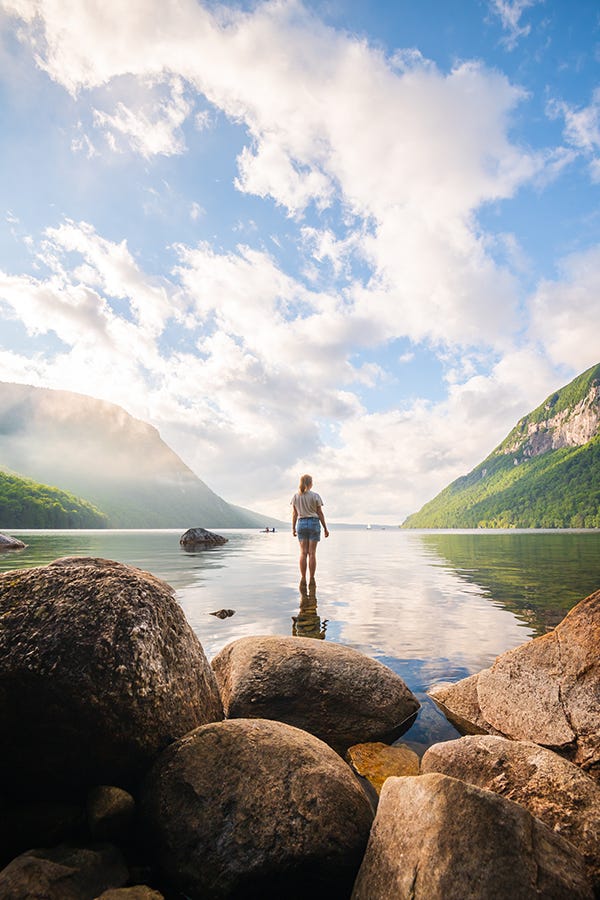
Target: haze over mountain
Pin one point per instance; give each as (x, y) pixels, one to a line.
(545, 474)
(99, 452)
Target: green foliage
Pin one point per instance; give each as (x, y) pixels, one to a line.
(513, 489)
(27, 504)
(558, 489)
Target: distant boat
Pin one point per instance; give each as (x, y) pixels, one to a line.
(369, 526)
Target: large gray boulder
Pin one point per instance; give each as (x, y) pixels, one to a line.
(546, 691)
(10, 543)
(332, 691)
(99, 671)
(252, 808)
(436, 838)
(551, 788)
(63, 873)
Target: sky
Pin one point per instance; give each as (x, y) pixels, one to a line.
(353, 239)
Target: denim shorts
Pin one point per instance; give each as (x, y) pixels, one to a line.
(308, 529)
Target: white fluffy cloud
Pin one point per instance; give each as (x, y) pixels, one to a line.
(230, 355)
(435, 148)
(565, 313)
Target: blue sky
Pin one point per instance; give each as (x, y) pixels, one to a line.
(356, 239)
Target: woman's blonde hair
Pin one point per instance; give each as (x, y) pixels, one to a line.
(305, 483)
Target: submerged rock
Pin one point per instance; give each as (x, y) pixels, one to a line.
(554, 790)
(377, 762)
(196, 538)
(436, 838)
(10, 543)
(546, 691)
(63, 873)
(223, 613)
(99, 671)
(334, 692)
(252, 808)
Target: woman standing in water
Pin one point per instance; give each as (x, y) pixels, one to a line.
(307, 518)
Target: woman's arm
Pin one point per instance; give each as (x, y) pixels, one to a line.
(294, 520)
(322, 520)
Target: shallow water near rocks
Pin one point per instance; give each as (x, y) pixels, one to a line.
(433, 606)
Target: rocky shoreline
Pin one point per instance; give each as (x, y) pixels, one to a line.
(136, 769)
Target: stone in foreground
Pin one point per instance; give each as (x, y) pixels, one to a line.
(10, 543)
(377, 762)
(137, 892)
(99, 671)
(436, 838)
(546, 691)
(252, 808)
(334, 692)
(554, 790)
(63, 873)
(196, 538)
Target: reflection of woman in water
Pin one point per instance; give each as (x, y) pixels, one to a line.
(308, 623)
(307, 518)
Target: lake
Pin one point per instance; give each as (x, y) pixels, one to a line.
(433, 606)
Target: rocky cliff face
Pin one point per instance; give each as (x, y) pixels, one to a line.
(545, 474)
(571, 427)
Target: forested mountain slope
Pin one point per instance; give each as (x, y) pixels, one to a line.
(545, 474)
(26, 504)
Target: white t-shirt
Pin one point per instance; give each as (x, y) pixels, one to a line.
(307, 504)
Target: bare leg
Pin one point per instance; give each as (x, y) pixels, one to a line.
(304, 551)
(312, 559)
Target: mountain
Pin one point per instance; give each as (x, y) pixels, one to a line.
(26, 504)
(545, 474)
(118, 463)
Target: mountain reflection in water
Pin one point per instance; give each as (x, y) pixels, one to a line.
(538, 576)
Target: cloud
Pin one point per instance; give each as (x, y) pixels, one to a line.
(565, 313)
(152, 129)
(582, 129)
(411, 454)
(105, 314)
(260, 371)
(510, 13)
(381, 165)
(435, 150)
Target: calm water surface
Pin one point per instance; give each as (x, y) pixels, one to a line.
(434, 606)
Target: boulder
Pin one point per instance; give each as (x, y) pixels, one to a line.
(377, 762)
(551, 788)
(546, 691)
(137, 892)
(99, 671)
(196, 538)
(332, 691)
(252, 808)
(436, 838)
(461, 706)
(63, 873)
(110, 813)
(10, 543)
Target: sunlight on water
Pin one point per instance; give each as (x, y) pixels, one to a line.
(434, 606)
